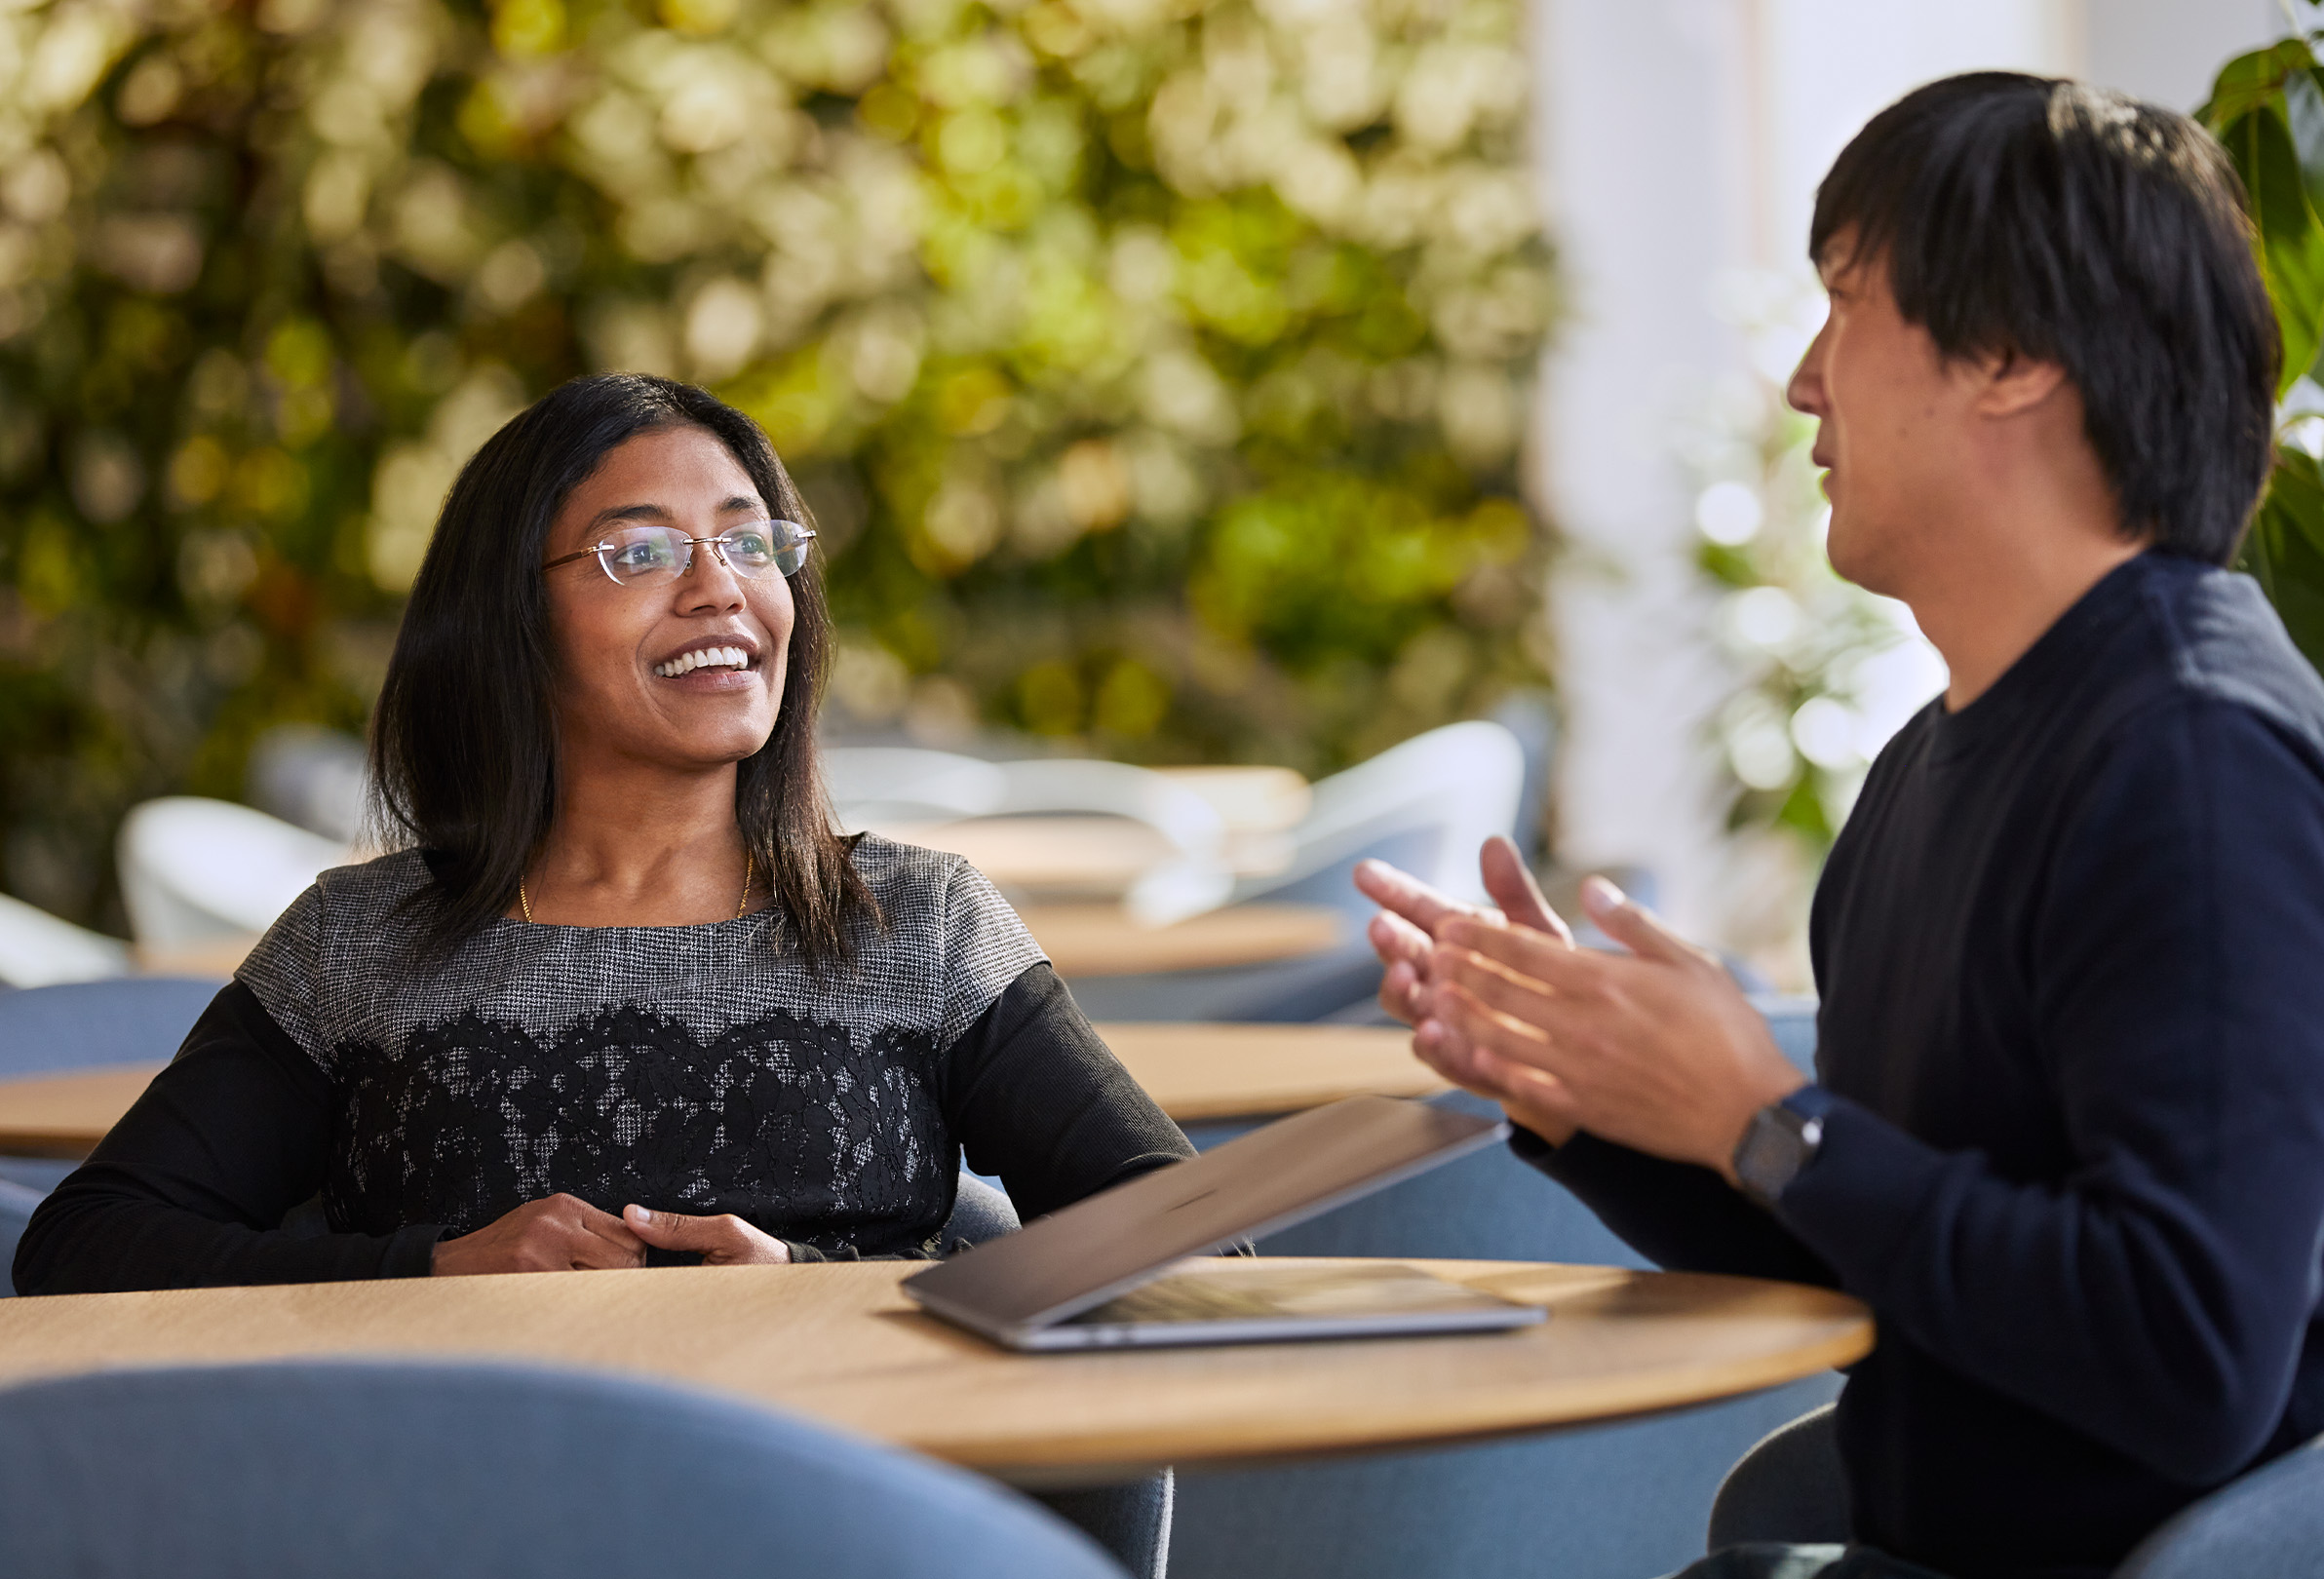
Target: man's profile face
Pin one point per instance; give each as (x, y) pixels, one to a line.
(1890, 411)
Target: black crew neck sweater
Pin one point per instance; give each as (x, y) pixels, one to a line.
(2070, 950)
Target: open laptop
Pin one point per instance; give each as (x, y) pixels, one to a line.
(1112, 1270)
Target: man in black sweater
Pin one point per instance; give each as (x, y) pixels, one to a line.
(2068, 1135)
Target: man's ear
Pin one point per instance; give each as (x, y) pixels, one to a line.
(2015, 383)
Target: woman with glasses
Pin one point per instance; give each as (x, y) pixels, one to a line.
(620, 993)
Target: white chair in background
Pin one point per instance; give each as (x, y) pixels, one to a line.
(1193, 879)
(197, 871)
(40, 949)
(1427, 804)
(879, 784)
(314, 777)
(900, 788)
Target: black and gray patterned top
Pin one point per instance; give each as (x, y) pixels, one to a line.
(692, 1070)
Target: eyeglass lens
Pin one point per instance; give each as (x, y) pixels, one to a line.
(639, 555)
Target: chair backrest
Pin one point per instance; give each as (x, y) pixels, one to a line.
(978, 1213)
(82, 1024)
(1435, 799)
(314, 777)
(195, 871)
(37, 948)
(2265, 1524)
(1789, 1488)
(480, 1472)
(905, 784)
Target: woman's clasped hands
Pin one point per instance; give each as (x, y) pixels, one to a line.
(563, 1233)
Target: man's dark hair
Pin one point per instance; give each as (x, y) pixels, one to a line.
(2049, 219)
(464, 760)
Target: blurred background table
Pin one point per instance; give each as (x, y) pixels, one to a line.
(1200, 1071)
(1194, 1071)
(65, 1115)
(1104, 940)
(1617, 1344)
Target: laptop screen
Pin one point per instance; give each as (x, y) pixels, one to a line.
(1270, 1179)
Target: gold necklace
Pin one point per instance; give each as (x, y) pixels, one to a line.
(741, 905)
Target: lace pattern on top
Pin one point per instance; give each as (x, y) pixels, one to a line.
(690, 1068)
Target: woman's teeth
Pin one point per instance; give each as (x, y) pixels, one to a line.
(685, 663)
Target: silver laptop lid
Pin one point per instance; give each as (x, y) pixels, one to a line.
(1084, 1254)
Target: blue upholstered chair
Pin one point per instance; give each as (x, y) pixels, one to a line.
(480, 1472)
(1132, 1521)
(1611, 1502)
(2267, 1525)
(81, 1026)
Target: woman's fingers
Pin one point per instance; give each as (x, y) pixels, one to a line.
(724, 1240)
(598, 1241)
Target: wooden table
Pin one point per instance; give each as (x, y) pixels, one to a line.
(840, 1343)
(1194, 1071)
(1208, 1071)
(65, 1115)
(1080, 939)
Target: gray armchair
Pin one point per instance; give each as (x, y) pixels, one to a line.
(2267, 1525)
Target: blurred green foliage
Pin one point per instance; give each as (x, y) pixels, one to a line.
(2266, 108)
(1157, 367)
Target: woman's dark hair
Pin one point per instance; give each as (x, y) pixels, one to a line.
(464, 741)
(2045, 218)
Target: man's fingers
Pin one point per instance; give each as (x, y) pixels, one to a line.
(1514, 890)
(1551, 961)
(1634, 926)
(1402, 993)
(1501, 989)
(1394, 938)
(1491, 1030)
(1535, 1096)
(1405, 895)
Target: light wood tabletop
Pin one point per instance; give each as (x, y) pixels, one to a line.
(841, 1345)
(1193, 1072)
(1080, 939)
(65, 1115)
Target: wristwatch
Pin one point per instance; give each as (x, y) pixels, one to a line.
(1781, 1141)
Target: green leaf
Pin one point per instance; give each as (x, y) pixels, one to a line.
(2291, 239)
(2285, 551)
(2250, 81)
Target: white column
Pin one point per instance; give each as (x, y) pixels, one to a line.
(1643, 111)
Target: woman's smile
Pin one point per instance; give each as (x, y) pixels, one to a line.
(722, 662)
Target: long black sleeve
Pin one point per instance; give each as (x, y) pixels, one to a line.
(1038, 1099)
(189, 1188)
(1678, 1216)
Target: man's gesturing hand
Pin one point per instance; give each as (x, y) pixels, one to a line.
(559, 1233)
(721, 1241)
(1412, 911)
(1412, 916)
(1658, 1050)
